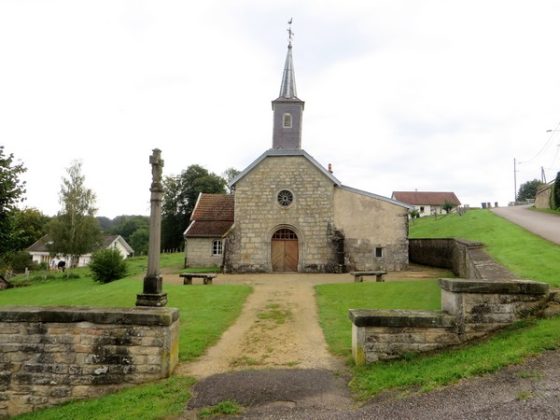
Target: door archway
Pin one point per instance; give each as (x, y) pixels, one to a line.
(285, 251)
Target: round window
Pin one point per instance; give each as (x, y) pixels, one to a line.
(285, 198)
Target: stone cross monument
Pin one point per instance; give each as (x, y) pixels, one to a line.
(152, 294)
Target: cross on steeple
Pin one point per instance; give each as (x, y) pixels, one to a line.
(290, 32)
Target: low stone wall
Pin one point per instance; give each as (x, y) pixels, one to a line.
(471, 308)
(50, 355)
(465, 258)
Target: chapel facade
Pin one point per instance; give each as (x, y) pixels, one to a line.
(287, 213)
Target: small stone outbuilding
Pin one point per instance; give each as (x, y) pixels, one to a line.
(291, 214)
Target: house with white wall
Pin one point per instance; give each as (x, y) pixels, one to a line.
(427, 203)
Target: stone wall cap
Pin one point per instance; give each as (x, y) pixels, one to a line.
(466, 242)
(400, 318)
(69, 314)
(523, 287)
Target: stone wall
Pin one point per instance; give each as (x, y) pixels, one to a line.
(367, 223)
(258, 215)
(466, 259)
(50, 355)
(199, 250)
(471, 308)
(542, 199)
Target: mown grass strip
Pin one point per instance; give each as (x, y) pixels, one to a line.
(162, 399)
(334, 300)
(425, 372)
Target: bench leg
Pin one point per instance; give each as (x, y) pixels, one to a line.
(205, 280)
(379, 277)
(187, 280)
(208, 281)
(358, 279)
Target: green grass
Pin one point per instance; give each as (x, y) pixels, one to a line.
(334, 300)
(425, 372)
(525, 254)
(549, 211)
(223, 408)
(157, 400)
(206, 311)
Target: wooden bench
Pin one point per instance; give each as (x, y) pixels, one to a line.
(206, 277)
(359, 275)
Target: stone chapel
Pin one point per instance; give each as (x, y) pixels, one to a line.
(287, 213)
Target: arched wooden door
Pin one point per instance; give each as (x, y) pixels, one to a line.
(285, 251)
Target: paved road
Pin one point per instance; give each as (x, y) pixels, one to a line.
(543, 224)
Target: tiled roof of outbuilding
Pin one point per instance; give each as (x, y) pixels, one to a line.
(212, 215)
(432, 198)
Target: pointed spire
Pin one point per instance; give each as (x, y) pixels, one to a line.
(288, 87)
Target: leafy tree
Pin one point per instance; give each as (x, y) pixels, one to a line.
(105, 223)
(528, 190)
(107, 265)
(29, 225)
(230, 174)
(12, 189)
(447, 206)
(555, 194)
(179, 197)
(126, 225)
(139, 241)
(75, 231)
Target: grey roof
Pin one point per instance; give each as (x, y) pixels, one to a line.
(378, 197)
(288, 86)
(285, 152)
(41, 245)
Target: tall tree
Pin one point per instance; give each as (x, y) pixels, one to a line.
(555, 194)
(229, 175)
(12, 190)
(29, 225)
(75, 230)
(528, 190)
(179, 197)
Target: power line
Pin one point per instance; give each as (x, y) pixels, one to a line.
(552, 133)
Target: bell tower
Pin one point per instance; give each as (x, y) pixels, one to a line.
(287, 108)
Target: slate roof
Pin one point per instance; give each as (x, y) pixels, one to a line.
(212, 216)
(432, 198)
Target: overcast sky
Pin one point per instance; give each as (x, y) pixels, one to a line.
(400, 95)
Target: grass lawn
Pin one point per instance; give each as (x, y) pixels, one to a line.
(525, 254)
(206, 311)
(334, 300)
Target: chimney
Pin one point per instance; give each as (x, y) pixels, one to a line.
(330, 168)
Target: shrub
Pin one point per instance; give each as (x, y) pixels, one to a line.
(107, 265)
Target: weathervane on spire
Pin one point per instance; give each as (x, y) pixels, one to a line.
(290, 32)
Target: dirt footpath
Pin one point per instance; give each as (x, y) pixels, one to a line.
(278, 326)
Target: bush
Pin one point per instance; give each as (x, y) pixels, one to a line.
(107, 265)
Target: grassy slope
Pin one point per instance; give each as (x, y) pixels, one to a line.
(334, 300)
(527, 255)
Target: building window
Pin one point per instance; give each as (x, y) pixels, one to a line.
(217, 247)
(287, 120)
(379, 252)
(421, 209)
(285, 198)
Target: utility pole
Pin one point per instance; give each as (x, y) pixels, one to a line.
(514, 181)
(543, 175)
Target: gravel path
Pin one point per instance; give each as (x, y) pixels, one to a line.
(542, 224)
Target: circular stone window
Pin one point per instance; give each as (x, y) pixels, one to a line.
(285, 198)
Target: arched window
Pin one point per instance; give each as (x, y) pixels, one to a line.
(287, 120)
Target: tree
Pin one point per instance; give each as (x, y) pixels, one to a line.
(230, 174)
(29, 225)
(12, 190)
(139, 241)
(555, 194)
(528, 190)
(75, 230)
(126, 225)
(447, 206)
(179, 197)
